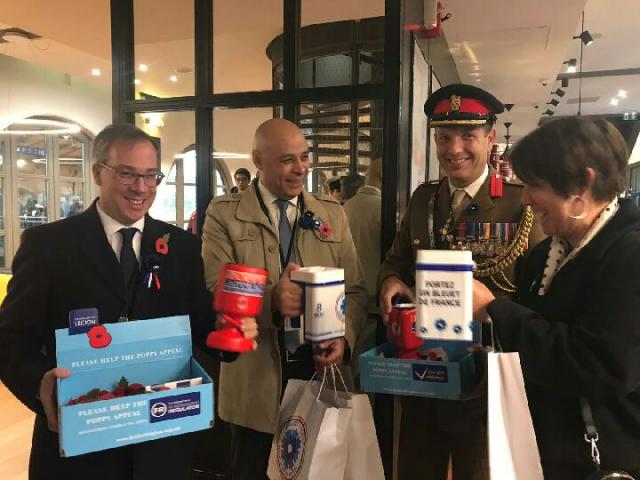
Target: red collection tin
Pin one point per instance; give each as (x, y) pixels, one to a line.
(401, 330)
(239, 294)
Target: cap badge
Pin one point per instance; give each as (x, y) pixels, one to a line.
(454, 103)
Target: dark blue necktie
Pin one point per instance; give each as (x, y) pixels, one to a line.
(292, 326)
(284, 231)
(128, 261)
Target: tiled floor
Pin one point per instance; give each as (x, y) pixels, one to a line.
(16, 425)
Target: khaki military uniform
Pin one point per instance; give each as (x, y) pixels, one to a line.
(431, 429)
(236, 230)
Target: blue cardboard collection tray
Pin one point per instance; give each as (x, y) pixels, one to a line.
(380, 372)
(148, 352)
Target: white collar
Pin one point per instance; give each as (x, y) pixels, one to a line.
(269, 198)
(111, 226)
(474, 187)
(558, 256)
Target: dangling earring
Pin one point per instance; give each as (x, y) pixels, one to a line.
(584, 209)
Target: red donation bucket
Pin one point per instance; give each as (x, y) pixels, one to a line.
(239, 294)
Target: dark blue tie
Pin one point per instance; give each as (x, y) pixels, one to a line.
(128, 260)
(291, 335)
(284, 231)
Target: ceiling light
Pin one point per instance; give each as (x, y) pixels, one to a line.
(614, 101)
(41, 127)
(17, 32)
(239, 156)
(548, 112)
(622, 93)
(96, 72)
(559, 92)
(173, 78)
(143, 67)
(572, 62)
(586, 37)
(553, 102)
(571, 69)
(21, 162)
(137, 81)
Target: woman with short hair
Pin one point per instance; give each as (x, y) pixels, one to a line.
(575, 320)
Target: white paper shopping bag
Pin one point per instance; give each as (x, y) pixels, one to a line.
(311, 440)
(364, 461)
(513, 451)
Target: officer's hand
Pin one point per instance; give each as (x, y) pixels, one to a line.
(329, 352)
(47, 394)
(391, 287)
(286, 297)
(482, 297)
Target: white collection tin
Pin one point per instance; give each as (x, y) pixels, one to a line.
(324, 307)
(444, 295)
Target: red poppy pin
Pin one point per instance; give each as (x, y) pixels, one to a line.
(162, 244)
(99, 337)
(325, 230)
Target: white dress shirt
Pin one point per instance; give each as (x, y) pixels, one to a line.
(114, 237)
(473, 187)
(274, 212)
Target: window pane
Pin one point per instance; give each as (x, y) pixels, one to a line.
(174, 134)
(31, 155)
(32, 202)
(71, 156)
(164, 206)
(327, 128)
(71, 198)
(336, 32)
(189, 170)
(189, 201)
(233, 131)
(247, 44)
(370, 132)
(333, 140)
(164, 48)
(2, 204)
(4, 152)
(3, 255)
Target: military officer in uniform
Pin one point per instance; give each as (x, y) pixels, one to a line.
(471, 208)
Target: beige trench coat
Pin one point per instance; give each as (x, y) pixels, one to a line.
(236, 230)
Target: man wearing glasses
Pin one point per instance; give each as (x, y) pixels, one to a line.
(98, 260)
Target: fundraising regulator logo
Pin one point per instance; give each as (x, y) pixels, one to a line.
(175, 406)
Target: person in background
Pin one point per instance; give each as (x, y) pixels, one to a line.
(349, 185)
(574, 318)
(93, 260)
(363, 211)
(334, 189)
(261, 228)
(242, 179)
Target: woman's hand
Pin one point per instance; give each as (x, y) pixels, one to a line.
(482, 297)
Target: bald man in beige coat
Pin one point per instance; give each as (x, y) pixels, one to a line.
(244, 228)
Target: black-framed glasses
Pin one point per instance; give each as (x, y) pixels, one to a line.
(127, 177)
